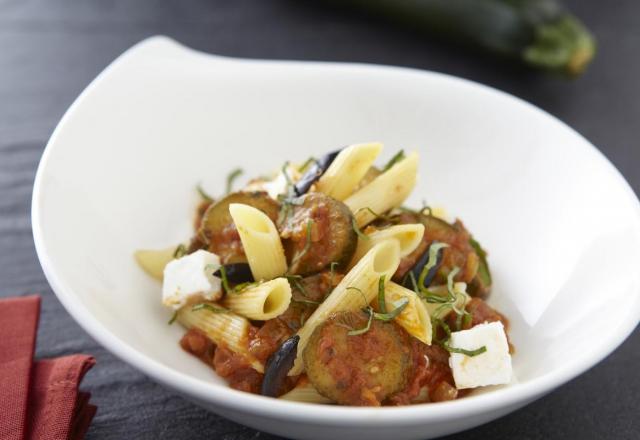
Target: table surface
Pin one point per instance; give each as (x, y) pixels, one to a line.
(51, 49)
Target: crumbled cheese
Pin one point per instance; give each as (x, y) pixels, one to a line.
(190, 278)
(493, 367)
(278, 185)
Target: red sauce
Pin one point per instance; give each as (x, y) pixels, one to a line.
(321, 241)
(431, 379)
(227, 245)
(197, 343)
(236, 370)
(263, 342)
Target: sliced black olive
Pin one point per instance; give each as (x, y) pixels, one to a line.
(236, 273)
(416, 270)
(314, 172)
(278, 366)
(319, 231)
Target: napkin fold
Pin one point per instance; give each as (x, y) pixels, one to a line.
(38, 399)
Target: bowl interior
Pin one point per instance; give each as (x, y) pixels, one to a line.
(560, 224)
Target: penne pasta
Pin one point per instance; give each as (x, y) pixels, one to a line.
(348, 168)
(385, 192)
(153, 261)
(408, 237)
(223, 328)
(356, 290)
(305, 392)
(261, 302)
(260, 240)
(415, 316)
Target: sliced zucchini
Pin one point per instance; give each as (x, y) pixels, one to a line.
(317, 232)
(480, 286)
(357, 370)
(218, 231)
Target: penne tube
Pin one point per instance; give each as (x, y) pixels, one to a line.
(415, 316)
(223, 328)
(305, 392)
(260, 240)
(153, 261)
(356, 290)
(347, 169)
(264, 301)
(408, 237)
(385, 192)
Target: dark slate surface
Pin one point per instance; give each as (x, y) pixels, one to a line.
(51, 49)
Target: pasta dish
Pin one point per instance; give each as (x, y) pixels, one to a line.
(316, 284)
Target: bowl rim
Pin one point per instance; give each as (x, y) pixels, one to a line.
(226, 397)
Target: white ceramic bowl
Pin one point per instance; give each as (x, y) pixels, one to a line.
(561, 224)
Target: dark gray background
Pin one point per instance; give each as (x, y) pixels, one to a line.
(51, 49)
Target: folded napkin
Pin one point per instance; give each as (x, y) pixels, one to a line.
(38, 399)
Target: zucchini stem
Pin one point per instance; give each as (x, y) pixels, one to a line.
(563, 45)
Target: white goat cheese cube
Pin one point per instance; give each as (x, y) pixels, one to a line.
(493, 367)
(191, 277)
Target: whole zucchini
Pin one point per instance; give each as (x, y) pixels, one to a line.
(540, 33)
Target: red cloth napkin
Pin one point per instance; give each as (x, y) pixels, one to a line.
(38, 399)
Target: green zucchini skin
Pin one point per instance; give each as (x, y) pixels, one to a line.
(540, 33)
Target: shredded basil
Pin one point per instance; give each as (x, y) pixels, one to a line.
(206, 197)
(364, 298)
(373, 213)
(394, 160)
(306, 301)
(382, 315)
(470, 353)
(452, 293)
(286, 208)
(332, 271)
(307, 244)
(295, 280)
(225, 280)
(431, 262)
(357, 230)
(285, 173)
(209, 307)
(180, 251)
(467, 320)
(382, 305)
(173, 318)
(308, 162)
(288, 200)
(400, 306)
(239, 288)
(233, 175)
(444, 343)
(364, 329)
